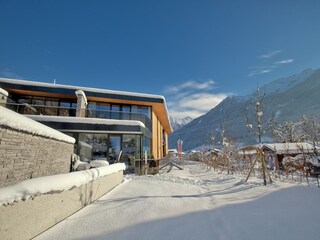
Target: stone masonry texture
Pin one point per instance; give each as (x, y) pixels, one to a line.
(25, 156)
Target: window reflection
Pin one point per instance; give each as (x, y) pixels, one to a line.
(100, 146)
(85, 146)
(114, 148)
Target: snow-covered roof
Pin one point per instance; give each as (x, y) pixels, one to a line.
(4, 92)
(62, 182)
(19, 122)
(98, 90)
(173, 150)
(290, 148)
(247, 152)
(46, 118)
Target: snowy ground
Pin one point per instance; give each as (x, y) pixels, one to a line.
(196, 203)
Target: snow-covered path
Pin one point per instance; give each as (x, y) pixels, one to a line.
(196, 203)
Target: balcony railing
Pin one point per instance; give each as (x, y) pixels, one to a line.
(71, 112)
(25, 108)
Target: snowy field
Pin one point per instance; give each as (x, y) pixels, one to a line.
(196, 203)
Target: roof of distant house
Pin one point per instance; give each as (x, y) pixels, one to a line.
(290, 148)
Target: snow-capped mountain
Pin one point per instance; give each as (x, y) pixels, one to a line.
(177, 123)
(285, 98)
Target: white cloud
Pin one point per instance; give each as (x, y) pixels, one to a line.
(271, 54)
(268, 63)
(261, 70)
(192, 98)
(204, 85)
(290, 60)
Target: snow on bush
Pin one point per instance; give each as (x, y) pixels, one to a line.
(21, 123)
(62, 182)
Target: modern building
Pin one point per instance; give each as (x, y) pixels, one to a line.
(110, 125)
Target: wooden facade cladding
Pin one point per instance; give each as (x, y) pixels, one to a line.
(159, 144)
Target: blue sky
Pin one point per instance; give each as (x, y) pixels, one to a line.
(195, 53)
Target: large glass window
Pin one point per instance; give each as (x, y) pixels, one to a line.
(100, 146)
(25, 108)
(141, 109)
(99, 110)
(114, 148)
(103, 110)
(46, 105)
(103, 146)
(147, 145)
(64, 109)
(38, 101)
(129, 149)
(125, 112)
(85, 146)
(52, 108)
(92, 108)
(115, 111)
(25, 99)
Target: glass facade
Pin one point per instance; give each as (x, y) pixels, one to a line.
(147, 145)
(142, 109)
(92, 146)
(85, 146)
(114, 148)
(131, 149)
(103, 146)
(67, 107)
(100, 147)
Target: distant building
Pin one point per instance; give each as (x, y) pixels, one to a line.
(276, 152)
(106, 124)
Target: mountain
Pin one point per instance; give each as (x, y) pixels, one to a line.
(286, 98)
(177, 123)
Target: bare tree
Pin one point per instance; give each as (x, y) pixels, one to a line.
(257, 126)
(289, 132)
(313, 129)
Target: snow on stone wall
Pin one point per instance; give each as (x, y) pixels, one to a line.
(19, 122)
(62, 182)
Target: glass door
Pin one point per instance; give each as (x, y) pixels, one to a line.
(114, 148)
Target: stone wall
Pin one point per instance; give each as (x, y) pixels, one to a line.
(24, 156)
